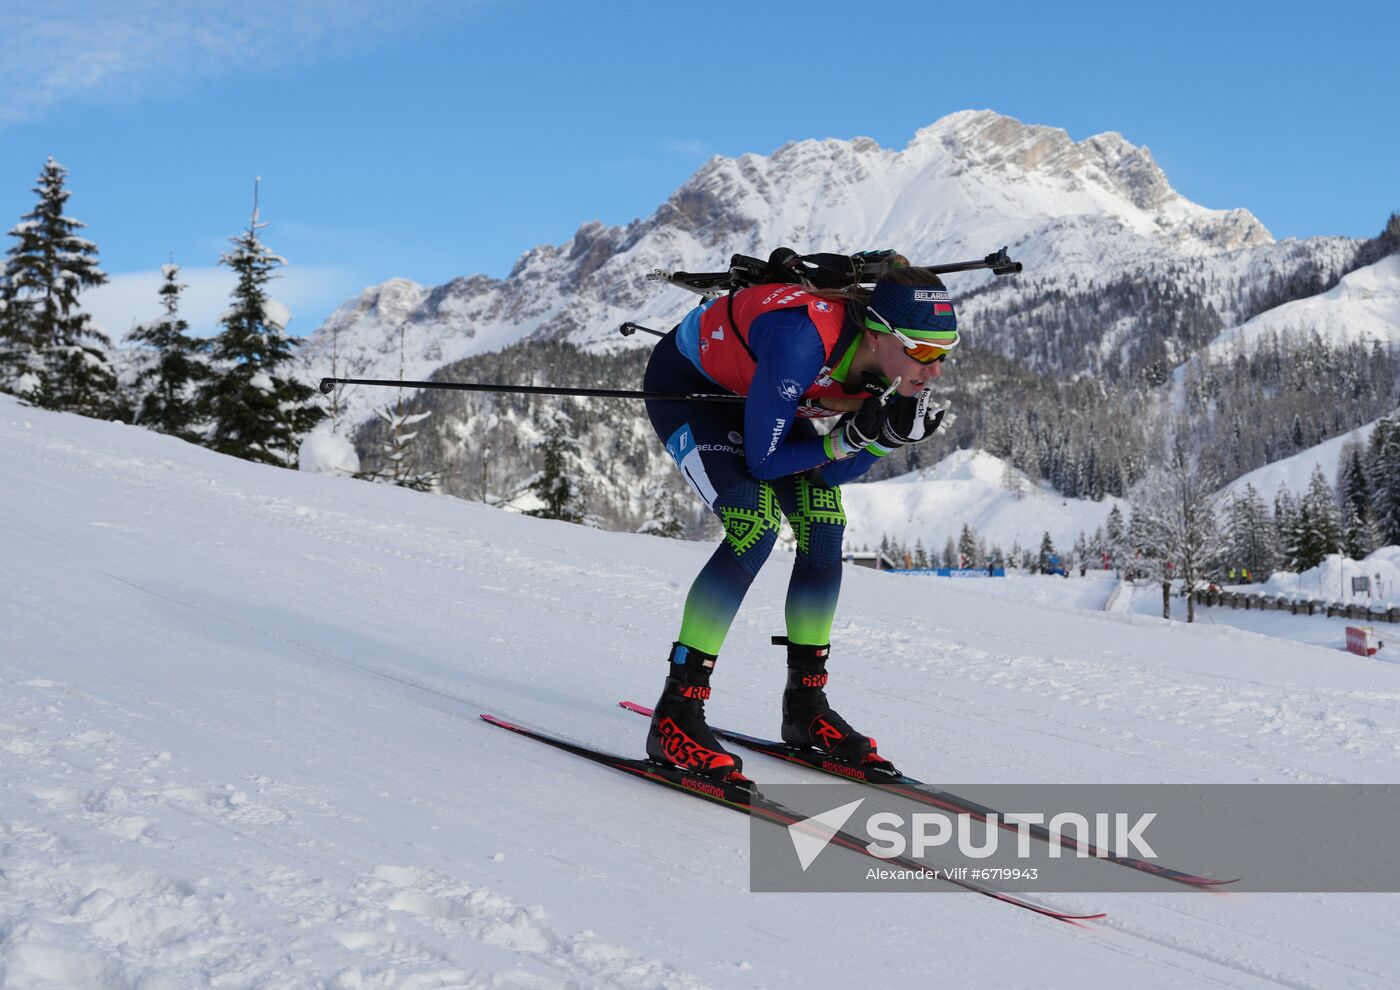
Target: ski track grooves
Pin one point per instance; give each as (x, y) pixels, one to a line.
(201, 869)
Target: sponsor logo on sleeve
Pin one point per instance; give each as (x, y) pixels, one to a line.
(777, 437)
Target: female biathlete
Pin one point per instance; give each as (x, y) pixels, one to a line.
(795, 354)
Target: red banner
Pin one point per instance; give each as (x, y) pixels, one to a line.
(1359, 641)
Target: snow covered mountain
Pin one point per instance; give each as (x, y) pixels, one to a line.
(1364, 307)
(239, 747)
(999, 502)
(1293, 472)
(1075, 213)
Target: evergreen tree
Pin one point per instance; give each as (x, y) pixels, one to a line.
(17, 357)
(1385, 483)
(1147, 540)
(554, 484)
(1319, 530)
(1116, 539)
(254, 412)
(1174, 510)
(1387, 242)
(1097, 546)
(1353, 487)
(1250, 537)
(1356, 535)
(1384, 427)
(50, 353)
(1354, 493)
(178, 368)
(967, 547)
(1288, 525)
(1047, 550)
(950, 553)
(920, 554)
(665, 517)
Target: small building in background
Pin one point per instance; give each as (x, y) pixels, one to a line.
(869, 558)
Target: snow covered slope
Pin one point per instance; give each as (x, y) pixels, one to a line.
(1296, 471)
(239, 747)
(1329, 581)
(999, 502)
(1363, 307)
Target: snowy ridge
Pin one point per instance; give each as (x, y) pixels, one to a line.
(969, 183)
(999, 502)
(239, 746)
(1295, 471)
(1364, 307)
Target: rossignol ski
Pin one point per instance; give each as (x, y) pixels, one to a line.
(916, 790)
(751, 802)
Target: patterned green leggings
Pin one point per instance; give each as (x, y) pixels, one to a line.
(752, 511)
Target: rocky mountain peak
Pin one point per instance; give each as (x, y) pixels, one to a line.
(966, 184)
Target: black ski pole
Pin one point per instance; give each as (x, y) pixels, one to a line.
(629, 328)
(592, 393)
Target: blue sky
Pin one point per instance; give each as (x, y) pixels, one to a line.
(429, 139)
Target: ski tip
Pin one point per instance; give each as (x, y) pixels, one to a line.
(632, 706)
(1208, 882)
(493, 720)
(1075, 918)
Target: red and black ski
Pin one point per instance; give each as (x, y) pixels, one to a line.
(916, 790)
(751, 802)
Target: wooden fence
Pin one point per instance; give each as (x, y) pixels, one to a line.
(1297, 606)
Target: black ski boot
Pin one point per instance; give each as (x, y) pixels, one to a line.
(809, 722)
(678, 735)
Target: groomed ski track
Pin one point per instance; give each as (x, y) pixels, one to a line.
(239, 744)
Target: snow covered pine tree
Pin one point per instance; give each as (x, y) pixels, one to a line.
(255, 414)
(51, 354)
(177, 369)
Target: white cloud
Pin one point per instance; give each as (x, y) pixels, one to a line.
(60, 49)
(310, 291)
(692, 147)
